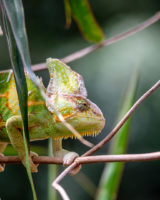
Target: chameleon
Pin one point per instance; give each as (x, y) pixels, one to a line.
(67, 92)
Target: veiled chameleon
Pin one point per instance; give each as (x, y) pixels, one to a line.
(67, 92)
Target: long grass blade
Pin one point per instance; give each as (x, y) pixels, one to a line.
(112, 173)
(18, 68)
(68, 13)
(52, 174)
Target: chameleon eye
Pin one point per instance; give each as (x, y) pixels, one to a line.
(82, 105)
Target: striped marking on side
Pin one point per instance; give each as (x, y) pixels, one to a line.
(35, 103)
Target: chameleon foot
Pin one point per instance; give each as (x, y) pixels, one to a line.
(33, 166)
(2, 165)
(68, 159)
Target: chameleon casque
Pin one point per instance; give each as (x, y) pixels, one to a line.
(67, 92)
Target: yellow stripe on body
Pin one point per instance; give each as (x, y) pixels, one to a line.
(35, 103)
(4, 95)
(12, 101)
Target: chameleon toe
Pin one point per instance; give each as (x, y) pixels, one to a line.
(2, 165)
(69, 158)
(34, 167)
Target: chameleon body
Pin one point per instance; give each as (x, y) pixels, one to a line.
(66, 91)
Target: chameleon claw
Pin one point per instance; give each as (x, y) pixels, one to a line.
(2, 165)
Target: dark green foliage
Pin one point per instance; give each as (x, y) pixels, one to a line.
(81, 12)
(13, 22)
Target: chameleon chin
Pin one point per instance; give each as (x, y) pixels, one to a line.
(67, 92)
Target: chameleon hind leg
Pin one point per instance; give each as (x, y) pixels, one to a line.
(67, 156)
(2, 148)
(14, 129)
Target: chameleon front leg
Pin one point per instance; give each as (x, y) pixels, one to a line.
(2, 148)
(58, 152)
(14, 129)
(67, 156)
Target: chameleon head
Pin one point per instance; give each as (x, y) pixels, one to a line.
(67, 93)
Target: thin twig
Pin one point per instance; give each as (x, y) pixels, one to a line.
(83, 160)
(87, 159)
(119, 158)
(36, 160)
(83, 52)
(1, 32)
(123, 120)
(110, 135)
(62, 191)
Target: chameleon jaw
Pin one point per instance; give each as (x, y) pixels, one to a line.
(92, 127)
(72, 136)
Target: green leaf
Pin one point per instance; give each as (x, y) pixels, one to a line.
(13, 20)
(18, 73)
(52, 174)
(68, 13)
(87, 24)
(112, 173)
(15, 17)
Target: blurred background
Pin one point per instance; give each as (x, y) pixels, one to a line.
(106, 73)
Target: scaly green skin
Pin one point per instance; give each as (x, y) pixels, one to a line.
(66, 91)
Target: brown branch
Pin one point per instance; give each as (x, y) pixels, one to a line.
(84, 160)
(87, 159)
(100, 159)
(83, 52)
(119, 158)
(36, 160)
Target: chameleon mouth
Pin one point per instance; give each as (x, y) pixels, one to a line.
(87, 123)
(93, 129)
(87, 133)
